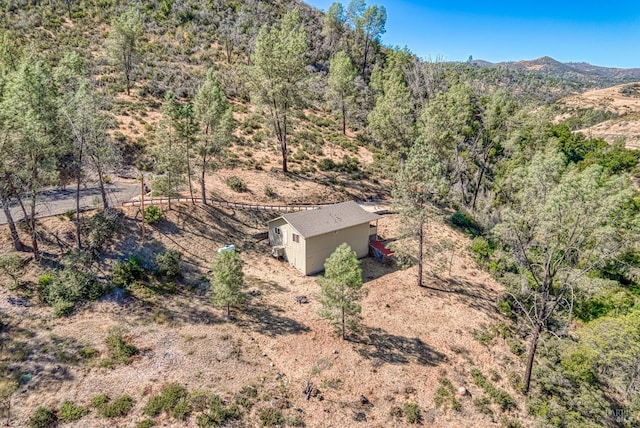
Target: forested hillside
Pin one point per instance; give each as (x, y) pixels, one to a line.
(275, 102)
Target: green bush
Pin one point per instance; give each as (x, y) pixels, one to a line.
(615, 300)
(200, 400)
(412, 413)
(327, 164)
(236, 184)
(217, 414)
(482, 249)
(69, 412)
(171, 396)
(43, 417)
(127, 272)
(146, 423)
(87, 352)
(62, 289)
(181, 410)
(168, 263)
(100, 400)
(119, 407)
(349, 164)
(270, 417)
(120, 351)
(152, 214)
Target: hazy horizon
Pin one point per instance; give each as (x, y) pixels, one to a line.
(569, 32)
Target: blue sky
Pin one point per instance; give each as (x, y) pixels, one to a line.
(605, 33)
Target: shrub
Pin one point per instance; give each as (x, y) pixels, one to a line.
(269, 192)
(217, 414)
(168, 263)
(200, 400)
(146, 423)
(100, 400)
(481, 248)
(236, 184)
(152, 214)
(69, 411)
(127, 272)
(181, 410)
(170, 397)
(349, 164)
(270, 417)
(43, 417)
(327, 164)
(120, 351)
(87, 352)
(62, 289)
(412, 413)
(119, 407)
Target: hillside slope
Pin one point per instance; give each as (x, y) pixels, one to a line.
(622, 102)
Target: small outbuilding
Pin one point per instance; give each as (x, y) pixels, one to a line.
(307, 238)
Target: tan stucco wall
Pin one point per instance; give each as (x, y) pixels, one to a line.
(273, 238)
(320, 247)
(294, 251)
(308, 256)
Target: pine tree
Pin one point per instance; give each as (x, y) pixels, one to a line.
(341, 289)
(420, 187)
(168, 151)
(123, 42)
(278, 72)
(392, 121)
(227, 280)
(214, 114)
(31, 127)
(341, 85)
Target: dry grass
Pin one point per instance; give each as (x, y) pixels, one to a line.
(410, 336)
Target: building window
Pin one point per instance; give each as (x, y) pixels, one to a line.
(276, 231)
(296, 238)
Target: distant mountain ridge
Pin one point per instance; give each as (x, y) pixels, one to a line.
(597, 75)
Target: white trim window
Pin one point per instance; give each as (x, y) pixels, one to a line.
(296, 238)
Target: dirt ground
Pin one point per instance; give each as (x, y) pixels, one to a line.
(410, 336)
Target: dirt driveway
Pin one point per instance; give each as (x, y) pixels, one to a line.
(57, 201)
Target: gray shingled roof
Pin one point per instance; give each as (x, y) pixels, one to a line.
(328, 218)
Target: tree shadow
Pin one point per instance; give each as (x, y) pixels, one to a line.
(468, 293)
(37, 362)
(372, 269)
(385, 348)
(268, 321)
